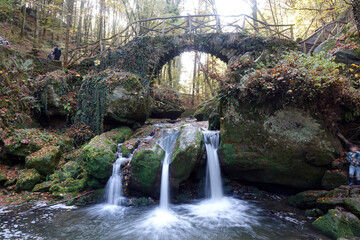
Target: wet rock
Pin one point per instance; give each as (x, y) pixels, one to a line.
(146, 169)
(187, 154)
(98, 156)
(341, 191)
(214, 121)
(45, 160)
(129, 146)
(42, 187)
(286, 147)
(338, 224)
(27, 179)
(334, 178)
(70, 185)
(307, 199)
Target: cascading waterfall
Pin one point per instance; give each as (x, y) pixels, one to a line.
(114, 185)
(213, 175)
(167, 144)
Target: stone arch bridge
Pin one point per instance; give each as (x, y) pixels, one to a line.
(154, 42)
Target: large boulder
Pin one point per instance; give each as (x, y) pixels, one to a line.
(188, 153)
(204, 110)
(288, 146)
(338, 224)
(146, 169)
(57, 92)
(129, 101)
(167, 103)
(45, 160)
(27, 179)
(100, 153)
(353, 205)
(71, 169)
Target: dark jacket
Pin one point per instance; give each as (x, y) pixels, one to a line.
(57, 53)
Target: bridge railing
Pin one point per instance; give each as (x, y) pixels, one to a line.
(190, 24)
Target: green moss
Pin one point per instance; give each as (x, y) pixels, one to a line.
(27, 179)
(45, 160)
(70, 169)
(338, 224)
(353, 205)
(119, 135)
(145, 167)
(42, 187)
(307, 199)
(98, 156)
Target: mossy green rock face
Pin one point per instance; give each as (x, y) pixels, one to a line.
(307, 199)
(45, 160)
(326, 203)
(2, 179)
(119, 135)
(326, 46)
(70, 169)
(286, 146)
(27, 179)
(99, 155)
(42, 187)
(70, 185)
(353, 205)
(187, 154)
(26, 141)
(146, 169)
(334, 179)
(338, 224)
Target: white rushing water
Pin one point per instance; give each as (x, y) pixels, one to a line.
(211, 139)
(113, 189)
(167, 143)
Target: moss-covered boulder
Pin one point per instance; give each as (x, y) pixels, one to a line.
(285, 146)
(2, 179)
(71, 169)
(338, 224)
(129, 146)
(27, 179)
(334, 178)
(70, 185)
(353, 205)
(326, 203)
(99, 155)
(45, 160)
(42, 187)
(146, 169)
(23, 142)
(326, 46)
(307, 199)
(187, 154)
(167, 103)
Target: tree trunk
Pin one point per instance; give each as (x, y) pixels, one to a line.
(23, 20)
(70, 8)
(101, 24)
(169, 73)
(79, 27)
(193, 82)
(356, 10)
(37, 32)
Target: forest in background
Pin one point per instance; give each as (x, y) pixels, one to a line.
(38, 26)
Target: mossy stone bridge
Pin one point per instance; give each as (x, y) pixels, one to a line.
(146, 45)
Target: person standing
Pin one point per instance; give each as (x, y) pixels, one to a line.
(353, 158)
(57, 53)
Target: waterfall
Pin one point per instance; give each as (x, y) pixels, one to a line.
(167, 144)
(114, 185)
(213, 175)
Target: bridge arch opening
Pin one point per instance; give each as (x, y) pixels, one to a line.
(193, 74)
